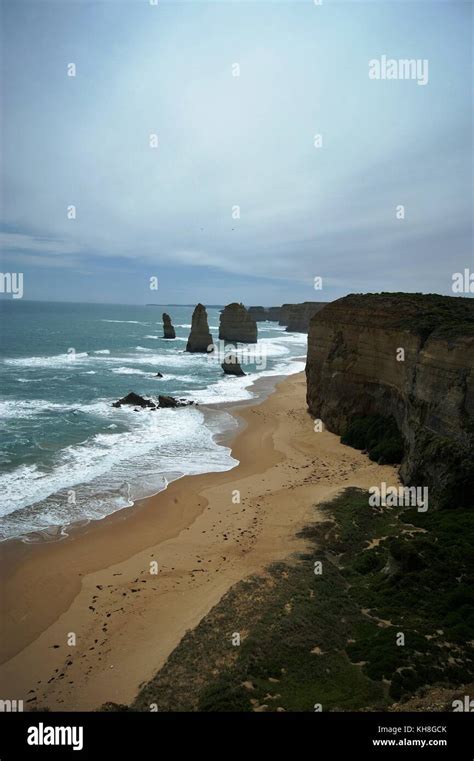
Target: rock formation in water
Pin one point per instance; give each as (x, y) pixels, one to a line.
(200, 339)
(297, 316)
(237, 325)
(231, 366)
(135, 400)
(409, 357)
(170, 401)
(168, 329)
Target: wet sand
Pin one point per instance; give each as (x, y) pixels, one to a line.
(98, 585)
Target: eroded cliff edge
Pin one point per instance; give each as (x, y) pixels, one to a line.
(354, 369)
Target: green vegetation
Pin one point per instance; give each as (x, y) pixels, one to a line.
(451, 463)
(331, 638)
(378, 435)
(425, 314)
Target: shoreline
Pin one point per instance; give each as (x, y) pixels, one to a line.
(96, 582)
(260, 388)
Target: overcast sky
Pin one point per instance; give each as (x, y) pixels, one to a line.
(226, 141)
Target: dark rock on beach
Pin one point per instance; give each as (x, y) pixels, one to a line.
(168, 329)
(200, 339)
(231, 366)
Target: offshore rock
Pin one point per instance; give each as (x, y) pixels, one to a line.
(237, 325)
(231, 366)
(135, 400)
(168, 329)
(200, 339)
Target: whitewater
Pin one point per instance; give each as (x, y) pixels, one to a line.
(66, 454)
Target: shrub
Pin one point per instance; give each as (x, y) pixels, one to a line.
(378, 435)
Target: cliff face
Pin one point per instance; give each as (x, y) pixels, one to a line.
(260, 314)
(298, 316)
(236, 324)
(168, 329)
(295, 316)
(285, 313)
(352, 370)
(200, 338)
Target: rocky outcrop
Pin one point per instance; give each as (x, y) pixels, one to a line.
(237, 325)
(200, 339)
(298, 316)
(168, 329)
(231, 366)
(170, 401)
(135, 400)
(406, 356)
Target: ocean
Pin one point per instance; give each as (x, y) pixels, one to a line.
(66, 454)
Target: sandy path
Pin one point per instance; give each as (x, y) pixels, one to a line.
(97, 584)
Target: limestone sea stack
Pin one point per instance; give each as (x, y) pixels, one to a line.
(200, 339)
(231, 366)
(168, 329)
(237, 325)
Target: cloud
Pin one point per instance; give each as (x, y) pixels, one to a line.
(226, 141)
(12, 242)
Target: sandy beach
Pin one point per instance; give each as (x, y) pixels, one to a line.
(97, 583)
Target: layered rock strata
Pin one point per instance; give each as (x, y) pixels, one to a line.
(200, 339)
(237, 325)
(168, 329)
(410, 356)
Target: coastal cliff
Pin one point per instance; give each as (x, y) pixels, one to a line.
(297, 316)
(260, 314)
(237, 325)
(406, 357)
(285, 313)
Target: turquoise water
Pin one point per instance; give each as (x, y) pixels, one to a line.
(66, 454)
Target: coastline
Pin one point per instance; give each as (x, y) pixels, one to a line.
(96, 582)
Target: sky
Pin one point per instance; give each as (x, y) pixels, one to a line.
(233, 200)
